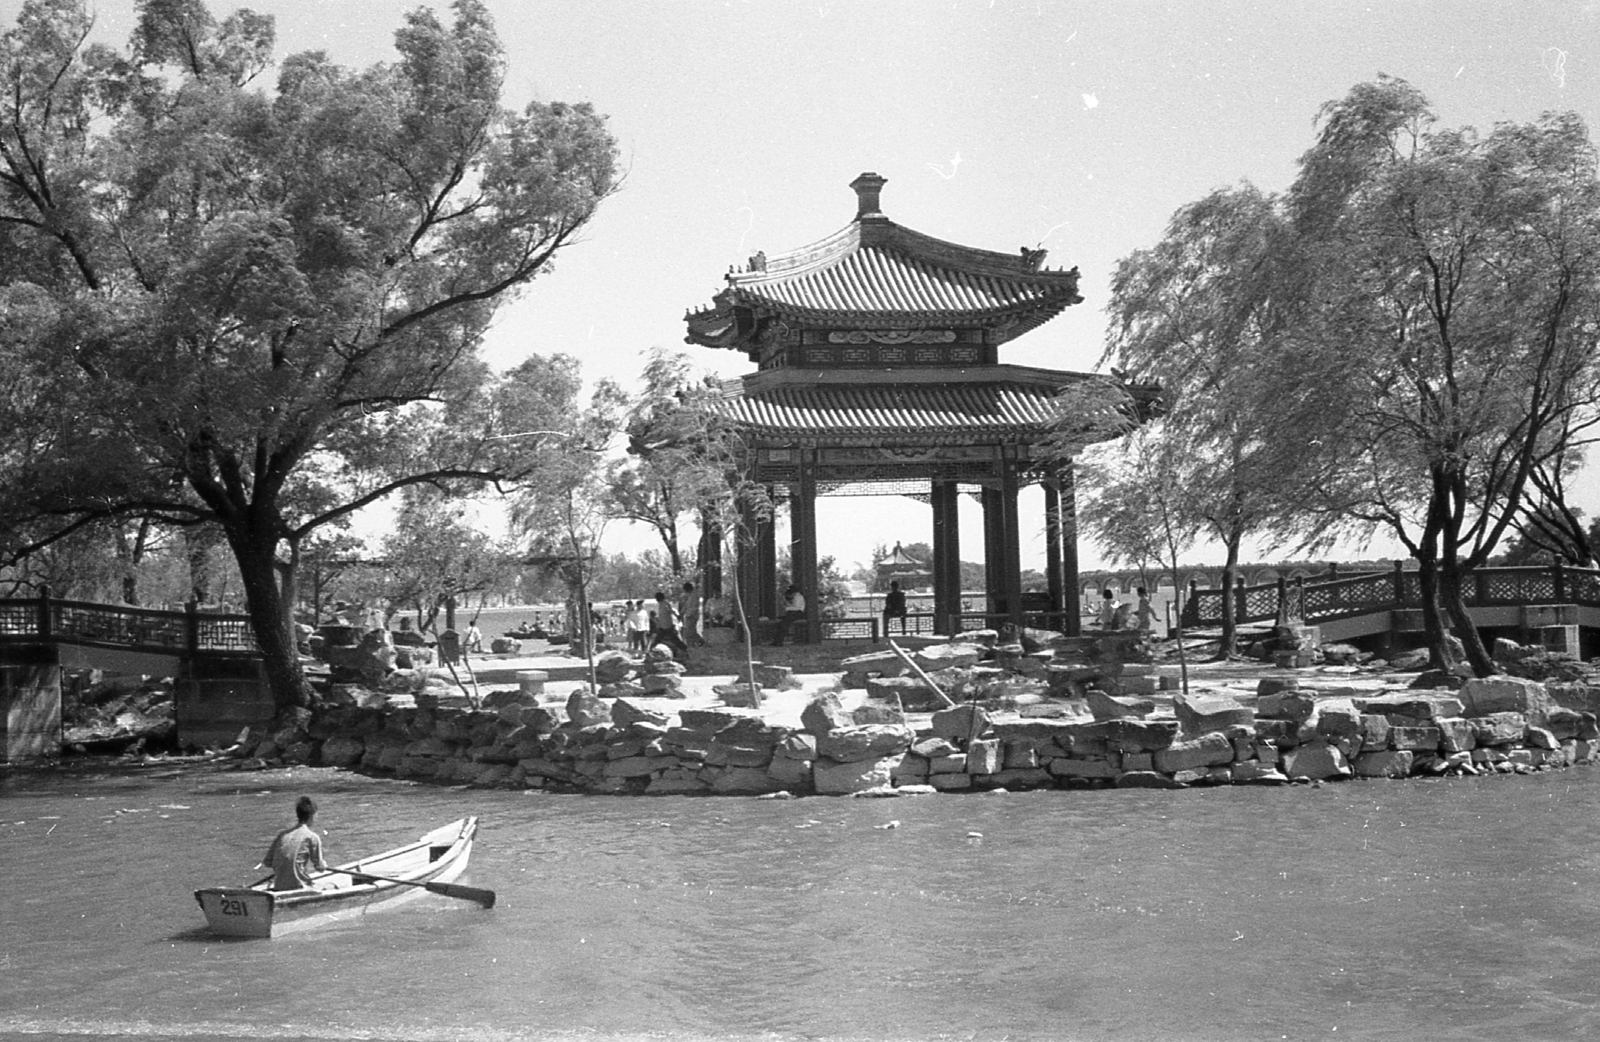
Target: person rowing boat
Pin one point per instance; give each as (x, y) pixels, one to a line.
(295, 852)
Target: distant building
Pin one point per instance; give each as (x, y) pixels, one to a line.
(909, 572)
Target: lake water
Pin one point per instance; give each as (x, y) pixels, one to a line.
(1366, 910)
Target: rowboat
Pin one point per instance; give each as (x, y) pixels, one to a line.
(426, 865)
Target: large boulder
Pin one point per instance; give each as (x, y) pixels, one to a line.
(611, 667)
(742, 695)
(838, 779)
(1141, 735)
(913, 693)
(625, 712)
(1205, 714)
(587, 710)
(1413, 708)
(959, 724)
(1315, 760)
(948, 656)
(1482, 696)
(1295, 705)
(865, 742)
(1209, 749)
(1117, 707)
(342, 752)
(824, 713)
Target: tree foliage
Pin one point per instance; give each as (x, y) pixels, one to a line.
(1448, 335)
(1201, 314)
(259, 310)
(1405, 341)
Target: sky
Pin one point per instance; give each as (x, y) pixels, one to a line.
(1079, 127)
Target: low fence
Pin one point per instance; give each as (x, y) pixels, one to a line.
(924, 624)
(45, 619)
(1328, 599)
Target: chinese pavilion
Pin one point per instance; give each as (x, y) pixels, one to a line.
(879, 373)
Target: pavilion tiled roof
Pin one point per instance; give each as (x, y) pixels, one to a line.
(990, 408)
(874, 273)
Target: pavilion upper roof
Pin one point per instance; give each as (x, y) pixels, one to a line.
(876, 274)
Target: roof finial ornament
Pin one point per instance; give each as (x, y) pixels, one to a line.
(1031, 259)
(867, 187)
(758, 261)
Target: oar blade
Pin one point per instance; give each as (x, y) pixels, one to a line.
(464, 893)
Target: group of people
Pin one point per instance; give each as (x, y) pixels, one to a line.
(1114, 614)
(675, 623)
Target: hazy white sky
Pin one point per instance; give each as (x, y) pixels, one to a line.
(1075, 126)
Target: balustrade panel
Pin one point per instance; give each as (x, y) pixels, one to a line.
(1512, 586)
(1583, 586)
(1260, 602)
(226, 633)
(109, 624)
(19, 618)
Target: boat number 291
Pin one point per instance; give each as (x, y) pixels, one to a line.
(234, 906)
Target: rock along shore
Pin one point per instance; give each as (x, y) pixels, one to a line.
(635, 744)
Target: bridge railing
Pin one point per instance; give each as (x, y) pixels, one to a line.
(1322, 600)
(45, 618)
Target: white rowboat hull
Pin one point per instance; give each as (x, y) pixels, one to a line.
(439, 856)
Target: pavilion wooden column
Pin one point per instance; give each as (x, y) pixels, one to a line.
(946, 557)
(1010, 539)
(766, 598)
(803, 542)
(1052, 546)
(993, 527)
(1069, 549)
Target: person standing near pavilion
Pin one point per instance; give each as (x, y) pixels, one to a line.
(638, 626)
(1108, 610)
(794, 614)
(894, 607)
(689, 611)
(1144, 615)
(666, 631)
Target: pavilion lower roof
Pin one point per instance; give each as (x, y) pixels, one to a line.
(889, 410)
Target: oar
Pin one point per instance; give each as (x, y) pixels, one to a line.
(456, 890)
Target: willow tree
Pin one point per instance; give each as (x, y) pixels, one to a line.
(1202, 313)
(1447, 338)
(260, 309)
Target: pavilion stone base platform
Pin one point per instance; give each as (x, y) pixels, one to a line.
(30, 703)
(644, 746)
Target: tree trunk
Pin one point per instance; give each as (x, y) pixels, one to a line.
(198, 542)
(256, 555)
(1432, 620)
(1230, 605)
(1450, 581)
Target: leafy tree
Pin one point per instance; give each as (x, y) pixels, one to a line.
(564, 510)
(261, 310)
(1132, 496)
(1202, 314)
(649, 485)
(433, 556)
(1444, 344)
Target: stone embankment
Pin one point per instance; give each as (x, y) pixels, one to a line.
(1106, 723)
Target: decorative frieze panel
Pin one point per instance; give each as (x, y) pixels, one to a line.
(876, 454)
(843, 354)
(892, 336)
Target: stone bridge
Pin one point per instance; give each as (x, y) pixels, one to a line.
(212, 659)
(1551, 604)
